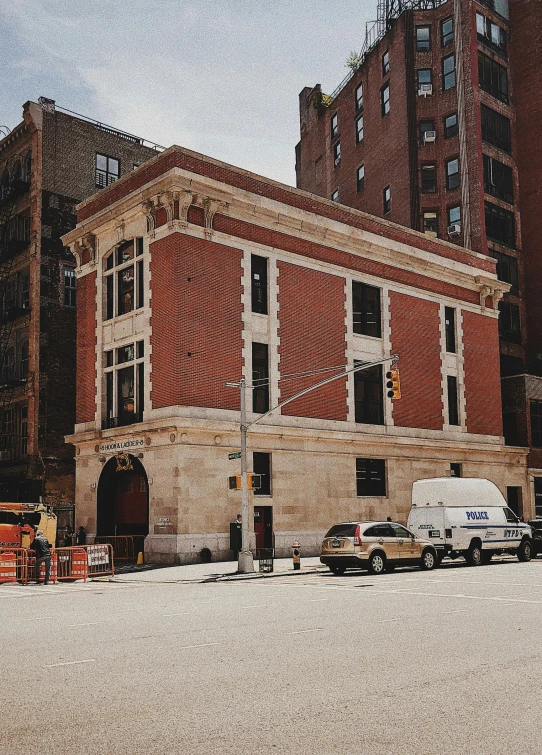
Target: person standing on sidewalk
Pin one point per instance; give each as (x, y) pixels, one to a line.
(42, 547)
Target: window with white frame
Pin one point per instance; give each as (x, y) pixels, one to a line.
(124, 278)
(359, 129)
(70, 287)
(358, 96)
(124, 373)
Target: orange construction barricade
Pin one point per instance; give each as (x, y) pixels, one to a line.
(8, 566)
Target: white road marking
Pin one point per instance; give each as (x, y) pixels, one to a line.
(261, 605)
(70, 663)
(303, 631)
(205, 645)
(383, 621)
(318, 600)
(458, 610)
(174, 614)
(39, 618)
(86, 624)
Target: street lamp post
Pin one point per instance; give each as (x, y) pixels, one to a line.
(246, 559)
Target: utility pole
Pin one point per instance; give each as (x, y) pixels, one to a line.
(246, 559)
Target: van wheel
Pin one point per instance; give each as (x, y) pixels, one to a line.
(377, 563)
(474, 555)
(337, 569)
(429, 560)
(525, 551)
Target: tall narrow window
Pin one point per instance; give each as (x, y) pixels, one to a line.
(359, 129)
(430, 224)
(385, 99)
(124, 385)
(452, 174)
(536, 427)
(261, 464)
(122, 281)
(450, 126)
(107, 170)
(360, 177)
(334, 125)
(453, 411)
(509, 322)
(449, 322)
(447, 31)
(386, 63)
(258, 267)
(429, 179)
(454, 216)
(69, 287)
(366, 310)
(371, 477)
(335, 196)
(368, 394)
(260, 378)
(427, 132)
(336, 154)
(386, 200)
(448, 72)
(358, 96)
(498, 179)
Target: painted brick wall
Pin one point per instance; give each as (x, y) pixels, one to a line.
(482, 383)
(196, 322)
(86, 349)
(415, 336)
(312, 336)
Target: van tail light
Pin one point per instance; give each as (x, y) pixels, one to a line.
(448, 533)
(357, 536)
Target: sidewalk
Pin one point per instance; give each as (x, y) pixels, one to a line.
(220, 571)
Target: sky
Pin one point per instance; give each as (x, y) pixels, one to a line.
(221, 77)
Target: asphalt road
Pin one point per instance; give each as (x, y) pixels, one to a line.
(411, 662)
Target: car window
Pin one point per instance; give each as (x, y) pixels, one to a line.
(510, 516)
(384, 530)
(342, 530)
(371, 532)
(401, 531)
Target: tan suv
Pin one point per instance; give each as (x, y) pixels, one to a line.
(376, 546)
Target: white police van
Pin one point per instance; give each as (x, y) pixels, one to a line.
(467, 517)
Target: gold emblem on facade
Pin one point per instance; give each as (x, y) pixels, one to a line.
(124, 463)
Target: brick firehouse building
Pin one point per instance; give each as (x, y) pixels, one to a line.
(193, 273)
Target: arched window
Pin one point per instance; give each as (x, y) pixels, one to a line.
(124, 279)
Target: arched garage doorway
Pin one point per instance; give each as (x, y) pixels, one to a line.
(123, 498)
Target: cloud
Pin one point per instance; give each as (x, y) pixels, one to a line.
(217, 76)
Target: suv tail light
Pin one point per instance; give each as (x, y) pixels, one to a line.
(357, 536)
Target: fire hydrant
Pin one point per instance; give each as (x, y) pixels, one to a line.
(296, 554)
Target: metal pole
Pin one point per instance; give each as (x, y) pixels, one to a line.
(246, 560)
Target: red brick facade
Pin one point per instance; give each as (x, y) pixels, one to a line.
(312, 336)
(481, 363)
(196, 322)
(86, 349)
(415, 336)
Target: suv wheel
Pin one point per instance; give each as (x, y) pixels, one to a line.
(337, 569)
(474, 555)
(525, 550)
(377, 563)
(429, 559)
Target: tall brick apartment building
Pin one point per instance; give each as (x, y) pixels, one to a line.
(48, 163)
(193, 273)
(438, 127)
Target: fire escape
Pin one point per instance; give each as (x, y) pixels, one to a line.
(12, 306)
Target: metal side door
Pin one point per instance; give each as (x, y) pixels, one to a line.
(409, 548)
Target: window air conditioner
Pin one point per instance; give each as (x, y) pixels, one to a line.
(424, 90)
(454, 229)
(429, 137)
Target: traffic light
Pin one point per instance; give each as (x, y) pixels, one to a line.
(393, 384)
(254, 481)
(235, 482)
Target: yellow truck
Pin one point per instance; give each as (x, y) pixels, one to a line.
(19, 521)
